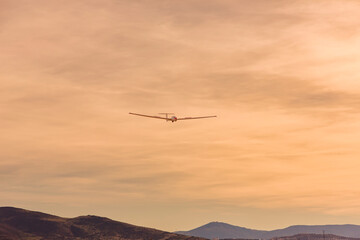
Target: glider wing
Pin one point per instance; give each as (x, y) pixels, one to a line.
(143, 115)
(190, 118)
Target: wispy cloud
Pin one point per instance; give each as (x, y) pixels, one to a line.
(281, 76)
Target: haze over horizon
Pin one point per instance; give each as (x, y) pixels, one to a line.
(282, 77)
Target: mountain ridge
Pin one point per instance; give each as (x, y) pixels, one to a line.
(227, 231)
(17, 223)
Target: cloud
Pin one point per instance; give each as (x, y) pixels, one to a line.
(281, 76)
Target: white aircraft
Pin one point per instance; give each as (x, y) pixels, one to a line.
(172, 118)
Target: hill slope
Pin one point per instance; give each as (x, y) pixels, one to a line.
(315, 237)
(224, 230)
(16, 224)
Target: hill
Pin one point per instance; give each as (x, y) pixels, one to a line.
(224, 231)
(306, 237)
(16, 224)
(315, 237)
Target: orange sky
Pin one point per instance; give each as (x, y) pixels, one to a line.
(282, 76)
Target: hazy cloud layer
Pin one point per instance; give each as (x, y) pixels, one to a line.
(282, 76)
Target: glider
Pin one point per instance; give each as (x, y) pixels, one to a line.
(167, 118)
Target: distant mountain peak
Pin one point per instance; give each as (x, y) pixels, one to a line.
(222, 225)
(216, 223)
(227, 231)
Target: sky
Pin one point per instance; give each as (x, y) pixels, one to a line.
(282, 77)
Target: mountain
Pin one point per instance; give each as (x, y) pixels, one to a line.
(224, 230)
(307, 237)
(352, 231)
(315, 237)
(16, 224)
